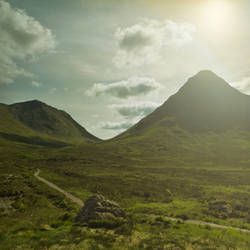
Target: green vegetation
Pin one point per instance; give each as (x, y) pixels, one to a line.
(37, 123)
(160, 168)
(36, 217)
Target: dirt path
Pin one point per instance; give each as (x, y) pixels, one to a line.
(193, 222)
(50, 184)
(204, 223)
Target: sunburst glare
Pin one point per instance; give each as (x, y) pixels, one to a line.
(217, 15)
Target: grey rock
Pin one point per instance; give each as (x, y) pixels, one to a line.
(97, 207)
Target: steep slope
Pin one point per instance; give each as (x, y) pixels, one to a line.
(48, 120)
(205, 103)
(35, 119)
(9, 124)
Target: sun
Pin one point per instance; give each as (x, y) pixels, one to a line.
(216, 15)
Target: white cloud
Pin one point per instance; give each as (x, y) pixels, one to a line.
(36, 84)
(134, 86)
(21, 37)
(243, 85)
(132, 112)
(143, 43)
(52, 91)
(135, 109)
(121, 126)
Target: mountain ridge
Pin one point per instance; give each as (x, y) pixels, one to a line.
(31, 117)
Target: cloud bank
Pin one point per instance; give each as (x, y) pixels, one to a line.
(134, 86)
(144, 42)
(22, 37)
(135, 109)
(36, 84)
(243, 85)
(119, 126)
(132, 113)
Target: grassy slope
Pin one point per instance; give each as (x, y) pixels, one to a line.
(13, 129)
(50, 121)
(11, 125)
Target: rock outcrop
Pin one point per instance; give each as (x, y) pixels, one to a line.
(97, 207)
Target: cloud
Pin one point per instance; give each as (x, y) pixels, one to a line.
(52, 91)
(134, 86)
(135, 109)
(118, 126)
(132, 112)
(144, 42)
(22, 37)
(36, 84)
(243, 85)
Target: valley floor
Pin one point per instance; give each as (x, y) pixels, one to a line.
(192, 222)
(169, 205)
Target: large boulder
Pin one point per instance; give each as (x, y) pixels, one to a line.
(97, 207)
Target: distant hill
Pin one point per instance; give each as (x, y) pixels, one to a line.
(205, 103)
(34, 121)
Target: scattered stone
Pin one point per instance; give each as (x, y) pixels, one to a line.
(97, 207)
(222, 207)
(240, 207)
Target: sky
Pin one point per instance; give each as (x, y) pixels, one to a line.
(110, 63)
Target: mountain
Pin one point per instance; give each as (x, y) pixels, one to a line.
(205, 103)
(207, 120)
(35, 119)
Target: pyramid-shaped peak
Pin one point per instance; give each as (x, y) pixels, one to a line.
(206, 81)
(206, 76)
(205, 102)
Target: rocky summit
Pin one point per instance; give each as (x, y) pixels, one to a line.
(97, 207)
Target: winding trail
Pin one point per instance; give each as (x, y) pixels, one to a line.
(204, 223)
(52, 185)
(193, 222)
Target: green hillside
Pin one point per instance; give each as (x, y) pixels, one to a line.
(34, 122)
(9, 124)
